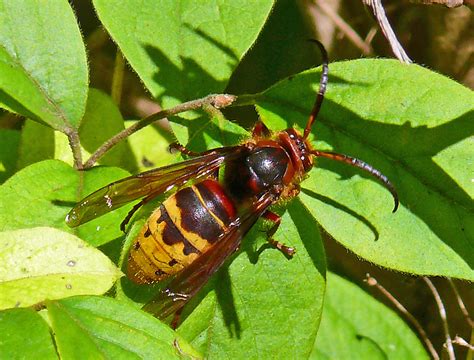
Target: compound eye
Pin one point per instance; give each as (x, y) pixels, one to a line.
(307, 162)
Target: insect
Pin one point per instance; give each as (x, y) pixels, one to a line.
(191, 234)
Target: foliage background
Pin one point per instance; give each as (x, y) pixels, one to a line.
(440, 39)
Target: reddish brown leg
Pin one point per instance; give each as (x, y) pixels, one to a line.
(176, 317)
(289, 251)
(260, 130)
(183, 150)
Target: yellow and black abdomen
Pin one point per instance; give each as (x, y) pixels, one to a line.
(185, 226)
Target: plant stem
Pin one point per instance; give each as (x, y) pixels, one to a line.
(379, 13)
(442, 314)
(373, 282)
(461, 304)
(345, 28)
(217, 101)
(75, 145)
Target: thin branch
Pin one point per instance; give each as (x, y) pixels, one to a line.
(346, 29)
(461, 342)
(444, 320)
(461, 304)
(74, 143)
(370, 35)
(117, 77)
(379, 13)
(218, 101)
(373, 282)
(447, 3)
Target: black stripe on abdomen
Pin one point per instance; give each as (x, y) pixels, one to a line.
(171, 234)
(195, 217)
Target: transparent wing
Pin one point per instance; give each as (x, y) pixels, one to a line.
(188, 282)
(149, 183)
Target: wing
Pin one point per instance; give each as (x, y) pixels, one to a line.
(188, 282)
(149, 183)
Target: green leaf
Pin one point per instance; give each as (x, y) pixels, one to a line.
(250, 306)
(43, 68)
(206, 133)
(102, 113)
(183, 50)
(362, 328)
(25, 335)
(40, 142)
(37, 143)
(277, 52)
(45, 263)
(9, 143)
(43, 193)
(150, 146)
(398, 119)
(98, 327)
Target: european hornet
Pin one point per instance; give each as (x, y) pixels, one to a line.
(191, 234)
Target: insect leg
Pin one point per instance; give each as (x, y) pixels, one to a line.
(260, 130)
(137, 206)
(289, 251)
(184, 150)
(176, 318)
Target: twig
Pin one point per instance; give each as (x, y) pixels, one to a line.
(218, 101)
(447, 3)
(461, 342)
(351, 34)
(444, 320)
(461, 304)
(370, 35)
(74, 143)
(117, 77)
(379, 13)
(373, 282)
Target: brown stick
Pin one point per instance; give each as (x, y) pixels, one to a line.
(379, 13)
(218, 101)
(444, 320)
(345, 28)
(461, 304)
(74, 143)
(373, 282)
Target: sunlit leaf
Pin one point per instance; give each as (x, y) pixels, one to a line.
(44, 263)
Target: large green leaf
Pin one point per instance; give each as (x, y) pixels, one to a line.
(356, 326)
(44, 263)
(25, 335)
(401, 120)
(103, 328)
(187, 49)
(43, 193)
(43, 68)
(277, 52)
